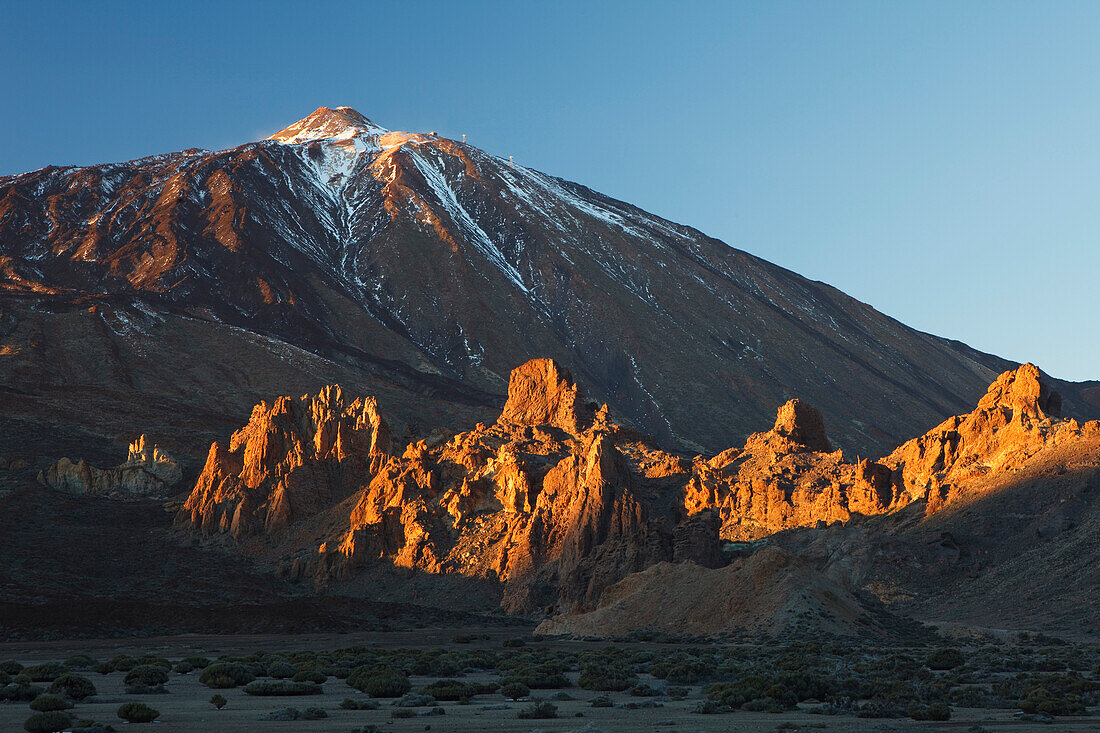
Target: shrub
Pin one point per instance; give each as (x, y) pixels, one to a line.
(73, 686)
(47, 703)
(137, 712)
(602, 701)
(5, 679)
(104, 668)
(349, 704)
(48, 722)
(11, 667)
(20, 693)
(944, 659)
(183, 668)
(196, 662)
(677, 693)
(515, 690)
(607, 679)
(314, 713)
(538, 710)
(403, 713)
(936, 711)
(281, 669)
(47, 672)
(514, 643)
(222, 675)
(123, 663)
(311, 676)
(80, 661)
(146, 675)
(280, 688)
(455, 690)
(218, 701)
(379, 682)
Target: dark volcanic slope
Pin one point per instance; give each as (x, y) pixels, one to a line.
(415, 265)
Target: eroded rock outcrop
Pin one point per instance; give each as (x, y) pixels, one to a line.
(543, 500)
(1017, 418)
(293, 459)
(786, 477)
(148, 473)
(555, 504)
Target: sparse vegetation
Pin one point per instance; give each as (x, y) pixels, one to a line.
(383, 682)
(137, 712)
(281, 688)
(49, 722)
(73, 686)
(47, 703)
(539, 709)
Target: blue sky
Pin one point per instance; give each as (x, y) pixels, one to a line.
(940, 161)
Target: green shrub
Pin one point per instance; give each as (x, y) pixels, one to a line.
(538, 710)
(73, 686)
(402, 713)
(349, 704)
(47, 703)
(218, 701)
(281, 669)
(20, 693)
(104, 668)
(183, 668)
(196, 662)
(281, 688)
(314, 713)
(514, 643)
(607, 679)
(5, 679)
(47, 672)
(944, 659)
(601, 701)
(146, 675)
(137, 712)
(379, 682)
(11, 667)
(223, 675)
(50, 722)
(123, 663)
(80, 661)
(515, 690)
(936, 711)
(311, 676)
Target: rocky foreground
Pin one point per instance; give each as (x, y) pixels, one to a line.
(575, 516)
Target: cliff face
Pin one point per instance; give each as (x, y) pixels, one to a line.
(556, 502)
(1018, 417)
(294, 458)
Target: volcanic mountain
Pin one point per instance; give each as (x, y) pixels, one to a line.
(167, 295)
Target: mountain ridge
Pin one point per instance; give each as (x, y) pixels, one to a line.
(435, 267)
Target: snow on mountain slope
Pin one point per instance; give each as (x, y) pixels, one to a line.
(438, 267)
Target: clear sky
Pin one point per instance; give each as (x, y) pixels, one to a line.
(940, 161)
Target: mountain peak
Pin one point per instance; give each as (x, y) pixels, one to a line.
(325, 123)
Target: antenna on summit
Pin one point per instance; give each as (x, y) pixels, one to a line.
(511, 162)
(464, 138)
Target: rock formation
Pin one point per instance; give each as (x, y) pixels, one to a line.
(786, 477)
(556, 504)
(292, 459)
(1017, 418)
(148, 473)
